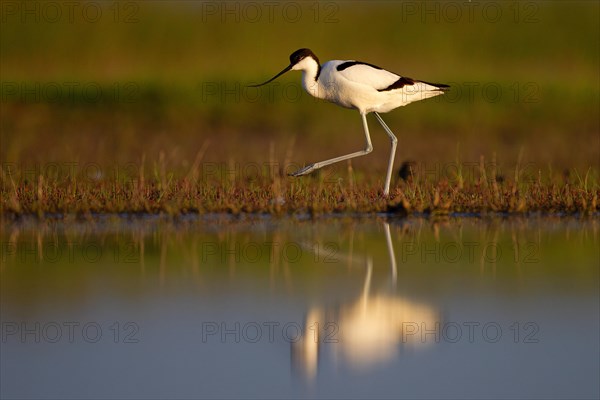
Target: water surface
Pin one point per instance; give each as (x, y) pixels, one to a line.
(335, 307)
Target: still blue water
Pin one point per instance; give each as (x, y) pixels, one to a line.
(360, 307)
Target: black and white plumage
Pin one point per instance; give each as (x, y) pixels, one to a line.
(361, 86)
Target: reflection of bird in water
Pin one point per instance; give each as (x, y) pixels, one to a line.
(366, 332)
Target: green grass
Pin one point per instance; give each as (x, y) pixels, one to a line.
(210, 188)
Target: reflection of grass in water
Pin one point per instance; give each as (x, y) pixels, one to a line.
(532, 248)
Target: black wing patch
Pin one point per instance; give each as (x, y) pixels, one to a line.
(349, 64)
(440, 86)
(399, 84)
(403, 81)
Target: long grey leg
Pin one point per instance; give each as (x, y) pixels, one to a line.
(394, 140)
(312, 167)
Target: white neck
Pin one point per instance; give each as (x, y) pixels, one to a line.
(310, 69)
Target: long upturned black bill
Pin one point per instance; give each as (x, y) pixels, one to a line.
(275, 77)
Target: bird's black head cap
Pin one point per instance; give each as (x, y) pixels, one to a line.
(301, 54)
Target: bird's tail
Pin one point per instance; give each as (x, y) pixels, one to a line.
(439, 87)
(423, 90)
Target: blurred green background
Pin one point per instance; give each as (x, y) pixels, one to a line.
(121, 82)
